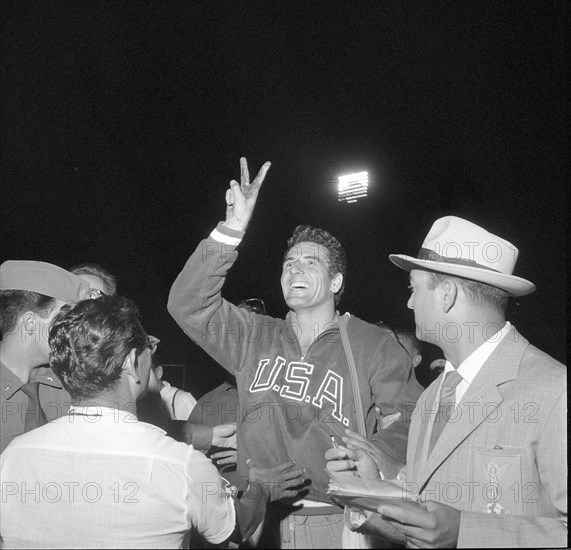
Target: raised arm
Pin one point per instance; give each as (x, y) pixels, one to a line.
(195, 300)
(241, 197)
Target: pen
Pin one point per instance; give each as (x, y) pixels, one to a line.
(422, 505)
(334, 442)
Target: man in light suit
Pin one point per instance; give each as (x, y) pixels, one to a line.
(491, 466)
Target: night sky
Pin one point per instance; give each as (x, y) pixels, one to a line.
(124, 121)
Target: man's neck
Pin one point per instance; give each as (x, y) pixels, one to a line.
(472, 336)
(19, 358)
(310, 323)
(111, 400)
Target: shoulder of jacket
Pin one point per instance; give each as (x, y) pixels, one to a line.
(542, 366)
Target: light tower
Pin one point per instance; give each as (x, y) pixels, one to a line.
(353, 187)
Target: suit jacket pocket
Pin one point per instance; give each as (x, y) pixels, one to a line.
(496, 480)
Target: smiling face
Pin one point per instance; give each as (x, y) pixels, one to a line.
(306, 282)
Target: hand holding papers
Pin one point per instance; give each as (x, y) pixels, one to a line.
(354, 481)
(351, 490)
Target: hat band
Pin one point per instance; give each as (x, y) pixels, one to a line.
(427, 254)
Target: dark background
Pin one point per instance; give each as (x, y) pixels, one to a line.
(123, 122)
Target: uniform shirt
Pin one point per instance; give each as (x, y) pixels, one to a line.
(99, 478)
(54, 400)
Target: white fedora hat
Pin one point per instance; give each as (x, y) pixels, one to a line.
(458, 247)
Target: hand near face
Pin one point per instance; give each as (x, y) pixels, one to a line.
(241, 197)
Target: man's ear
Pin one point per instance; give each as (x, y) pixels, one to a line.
(130, 366)
(336, 283)
(416, 360)
(28, 320)
(159, 372)
(449, 294)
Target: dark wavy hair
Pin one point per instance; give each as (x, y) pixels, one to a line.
(13, 303)
(90, 341)
(336, 260)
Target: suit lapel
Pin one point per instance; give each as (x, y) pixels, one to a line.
(480, 401)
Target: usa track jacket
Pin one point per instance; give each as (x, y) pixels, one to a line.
(291, 405)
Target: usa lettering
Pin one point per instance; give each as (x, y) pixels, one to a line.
(294, 384)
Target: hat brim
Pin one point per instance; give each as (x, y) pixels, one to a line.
(514, 286)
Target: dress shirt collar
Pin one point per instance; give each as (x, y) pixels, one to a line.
(470, 367)
(96, 410)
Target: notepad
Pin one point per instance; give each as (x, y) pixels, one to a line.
(349, 489)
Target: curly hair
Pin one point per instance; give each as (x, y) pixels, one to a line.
(90, 341)
(14, 303)
(336, 257)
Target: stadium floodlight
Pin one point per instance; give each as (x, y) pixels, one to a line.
(353, 187)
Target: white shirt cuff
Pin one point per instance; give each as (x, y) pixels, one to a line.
(226, 235)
